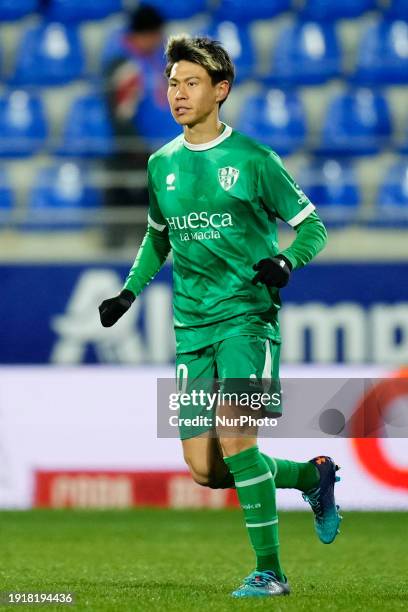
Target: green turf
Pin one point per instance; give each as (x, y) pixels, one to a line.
(191, 560)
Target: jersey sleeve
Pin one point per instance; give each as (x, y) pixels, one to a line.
(154, 248)
(280, 194)
(149, 259)
(310, 240)
(155, 218)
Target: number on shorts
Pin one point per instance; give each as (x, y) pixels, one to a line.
(181, 376)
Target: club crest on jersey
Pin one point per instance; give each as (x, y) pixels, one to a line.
(228, 176)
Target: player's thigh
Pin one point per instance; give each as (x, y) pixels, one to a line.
(196, 371)
(248, 357)
(251, 364)
(195, 374)
(249, 369)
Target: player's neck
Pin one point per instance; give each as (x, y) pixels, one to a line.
(203, 132)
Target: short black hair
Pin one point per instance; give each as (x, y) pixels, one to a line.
(205, 52)
(145, 18)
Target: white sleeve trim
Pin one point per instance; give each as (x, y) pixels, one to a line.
(156, 226)
(301, 215)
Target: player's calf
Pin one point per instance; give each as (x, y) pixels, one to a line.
(205, 463)
(213, 480)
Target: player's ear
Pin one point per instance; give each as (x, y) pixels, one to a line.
(222, 91)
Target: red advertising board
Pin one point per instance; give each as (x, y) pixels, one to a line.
(120, 489)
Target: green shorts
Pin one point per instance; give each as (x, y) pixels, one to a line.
(239, 364)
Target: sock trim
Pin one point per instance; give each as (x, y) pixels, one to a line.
(252, 481)
(263, 524)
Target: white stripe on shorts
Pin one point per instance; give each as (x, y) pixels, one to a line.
(267, 369)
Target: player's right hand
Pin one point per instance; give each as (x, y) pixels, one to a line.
(112, 309)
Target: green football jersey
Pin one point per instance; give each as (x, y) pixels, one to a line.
(219, 203)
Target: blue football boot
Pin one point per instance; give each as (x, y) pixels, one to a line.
(262, 584)
(322, 502)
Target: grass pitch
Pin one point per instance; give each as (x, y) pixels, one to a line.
(161, 560)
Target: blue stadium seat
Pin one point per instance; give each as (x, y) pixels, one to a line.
(6, 195)
(403, 148)
(397, 9)
(245, 10)
(87, 130)
(392, 197)
(238, 42)
(80, 10)
(179, 9)
(275, 118)
(306, 53)
(23, 125)
(357, 122)
(14, 9)
(335, 9)
(59, 197)
(154, 123)
(332, 186)
(112, 46)
(49, 54)
(383, 54)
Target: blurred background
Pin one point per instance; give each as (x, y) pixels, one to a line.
(82, 106)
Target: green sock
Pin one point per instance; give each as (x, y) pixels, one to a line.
(256, 493)
(293, 474)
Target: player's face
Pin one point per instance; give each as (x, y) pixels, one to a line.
(191, 94)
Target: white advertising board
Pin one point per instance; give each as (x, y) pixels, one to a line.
(104, 418)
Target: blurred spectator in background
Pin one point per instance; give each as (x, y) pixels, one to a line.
(136, 92)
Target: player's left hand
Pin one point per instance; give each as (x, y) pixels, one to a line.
(273, 271)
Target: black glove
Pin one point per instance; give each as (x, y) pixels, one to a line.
(273, 271)
(112, 309)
